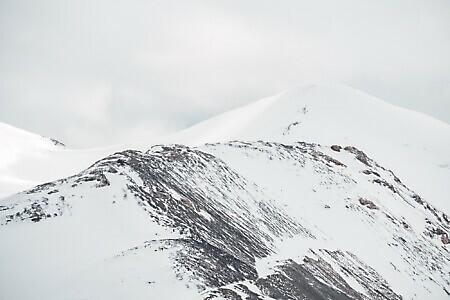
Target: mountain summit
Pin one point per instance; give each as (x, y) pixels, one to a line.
(409, 142)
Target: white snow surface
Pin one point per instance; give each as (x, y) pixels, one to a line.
(80, 255)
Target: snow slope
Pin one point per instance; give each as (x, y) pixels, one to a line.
(415, 146)
(233, 220)
(28, 159)
(19, 146)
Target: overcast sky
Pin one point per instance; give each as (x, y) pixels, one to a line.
(92, 73)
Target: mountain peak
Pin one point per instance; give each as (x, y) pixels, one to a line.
(20, 137)
(409, 142)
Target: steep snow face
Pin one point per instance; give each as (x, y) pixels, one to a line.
(28, 159)
(415, 146)
(232, 220)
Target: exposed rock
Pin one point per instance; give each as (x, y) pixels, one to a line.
(386, 184)
(438, 231)
(367, 203)
(290, 126)
(334, 161)
(336, 148)
(377, 288)
(57, 143)
(360, 155)
(350, 148)
(369, 172)
(445, 239)
(293, 281)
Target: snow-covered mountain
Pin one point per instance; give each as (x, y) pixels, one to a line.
(269, 215)
(264, 221)
(416, 146)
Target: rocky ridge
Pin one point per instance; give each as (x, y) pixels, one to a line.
(261, 220)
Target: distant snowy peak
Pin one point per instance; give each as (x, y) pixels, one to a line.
(17, 137)
(16, 142)
(27, 159)
(323, 113)
(408, 142)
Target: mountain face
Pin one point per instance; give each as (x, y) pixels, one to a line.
(229, 220)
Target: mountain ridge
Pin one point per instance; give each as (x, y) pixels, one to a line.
(212, 219)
